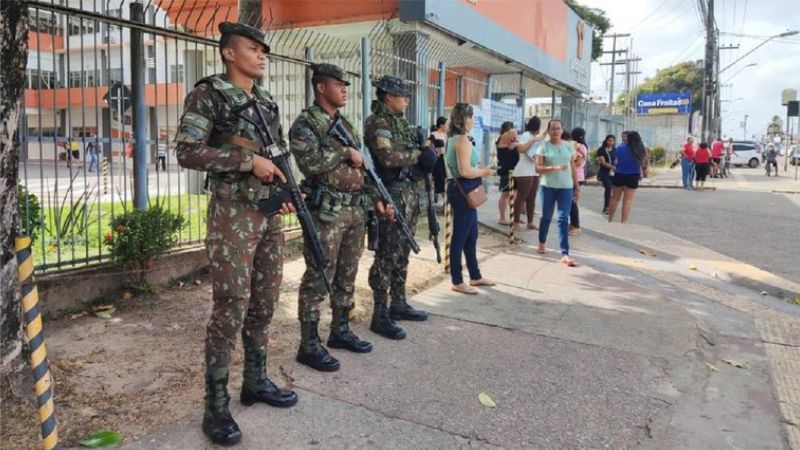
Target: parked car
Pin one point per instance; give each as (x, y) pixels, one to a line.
(746, 153)
(794, 155)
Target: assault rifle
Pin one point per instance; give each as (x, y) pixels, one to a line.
(339, 132)
(433, 224)
(293, 194)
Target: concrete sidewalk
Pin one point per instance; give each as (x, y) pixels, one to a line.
(599, 356)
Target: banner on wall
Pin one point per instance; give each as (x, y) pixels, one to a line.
(495, 113)
(664, 103)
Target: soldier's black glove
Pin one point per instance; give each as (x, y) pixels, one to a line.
(427, 160)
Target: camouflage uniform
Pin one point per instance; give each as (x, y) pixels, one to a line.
(342, 195)
(245, 248)
(389, 139)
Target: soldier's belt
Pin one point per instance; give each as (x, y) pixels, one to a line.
(343, 198)
(238, 141)
(240, 190)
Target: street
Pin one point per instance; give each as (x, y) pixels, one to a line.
(743, 218)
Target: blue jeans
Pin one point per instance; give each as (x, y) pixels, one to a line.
(550, 198)
(465, 231)
(92, 161)
(687, 172)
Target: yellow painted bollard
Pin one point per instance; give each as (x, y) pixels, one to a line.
(448, 233)
(512, 197)
(105, 175)
(32, 312)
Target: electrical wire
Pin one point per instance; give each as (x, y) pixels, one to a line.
(644, 21)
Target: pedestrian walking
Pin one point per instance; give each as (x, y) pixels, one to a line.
(462, 159)
(605, 156)
(92, 150)
(716, 157)
(402, 166)
(579, 140)
(772, 159)
(702, 161)
(245, 247)
(339, 195)
(687, 163)
(438, 139)
(161, 151)
(629, 164)
(526, 179)
(507, 158)
(556, 162)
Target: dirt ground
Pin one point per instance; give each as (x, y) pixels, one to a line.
(143, 367)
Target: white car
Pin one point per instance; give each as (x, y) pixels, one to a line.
(746, 153)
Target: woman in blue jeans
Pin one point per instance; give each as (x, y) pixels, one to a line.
(556, 162)
(462, 159)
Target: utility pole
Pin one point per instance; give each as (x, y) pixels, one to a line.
(745, 127)
(628, 72)
(708, 78)
(613, 64)
(718, 92)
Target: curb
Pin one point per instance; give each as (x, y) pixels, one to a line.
(785, 191)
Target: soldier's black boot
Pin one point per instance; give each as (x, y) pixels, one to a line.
(311, 352)
(256, 387)
(381, 322)
(218, 424)
(342, 337)
(401, 310)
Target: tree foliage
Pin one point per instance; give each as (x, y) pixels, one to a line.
(684, 77)
(597, 19)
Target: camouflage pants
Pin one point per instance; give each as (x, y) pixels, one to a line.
(245, 249)
(390, 267)
(343, 242)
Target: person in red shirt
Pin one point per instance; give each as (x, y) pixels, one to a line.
(687, 163)
(716, 156)
(702, 163)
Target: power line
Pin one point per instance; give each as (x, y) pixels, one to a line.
(659, 26)
(644, 21)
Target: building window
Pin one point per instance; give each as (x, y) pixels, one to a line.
(176, 73)
(44, 22)
(41, 79)
(75, 79)
(114, 75)
(77, 26)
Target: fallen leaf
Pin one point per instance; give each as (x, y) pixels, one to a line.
(735, 363)
(692, 267)
(99, 308)
(180, 284)
(198, 282)
(78, 315)
(486, 400)
(115, 320)
(101, 439)
(712, 367)
(103, 315)
(127, 295)
(647, 251)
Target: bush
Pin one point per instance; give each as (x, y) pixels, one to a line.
(138, 236)
(31, 218)
(658, 155)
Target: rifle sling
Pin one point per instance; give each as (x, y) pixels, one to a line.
(235, 140)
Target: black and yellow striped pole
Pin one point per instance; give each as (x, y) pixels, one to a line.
(105, 175)
(43, 383)
(448, 233)
(512, 198)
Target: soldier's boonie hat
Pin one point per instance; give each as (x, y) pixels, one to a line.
(329, 70)
(229, 29)
(393, 85)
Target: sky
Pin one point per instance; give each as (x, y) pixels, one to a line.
(666, 32)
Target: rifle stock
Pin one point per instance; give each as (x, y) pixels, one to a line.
(433, 224)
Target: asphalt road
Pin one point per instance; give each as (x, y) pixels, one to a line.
(758, 228)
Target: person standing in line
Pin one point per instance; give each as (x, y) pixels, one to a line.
(605, 156)
(462, 160)
(161, 151)
(92, 151)
(702, 162)
(340, 196)
(772, 159)
(630, 159)
(556, 162)
(579, 139)
(716, 157)
(245, 247)
(687, 163)
(402, 166)
(526, 179)
(507, 158)
(438, 139)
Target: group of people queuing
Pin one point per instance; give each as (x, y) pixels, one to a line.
(700, 162)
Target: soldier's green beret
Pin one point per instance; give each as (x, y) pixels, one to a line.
(329, 70)
(229, 29)
(393, 85)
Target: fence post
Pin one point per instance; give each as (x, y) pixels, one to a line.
(139, 114)
(440, 96)
(309, 72)
(366, 86)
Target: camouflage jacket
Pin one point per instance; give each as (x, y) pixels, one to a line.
(388, 137)
(321, 158)
(212, 138)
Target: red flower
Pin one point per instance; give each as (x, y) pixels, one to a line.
(108, 236)
(120, 228)
(150, 264)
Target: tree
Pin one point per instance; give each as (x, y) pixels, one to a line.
(683, 77)
(597, 19)
(13, 59)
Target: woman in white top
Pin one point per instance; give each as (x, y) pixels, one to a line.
(526, 179)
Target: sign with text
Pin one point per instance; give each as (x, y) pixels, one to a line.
(664, 103)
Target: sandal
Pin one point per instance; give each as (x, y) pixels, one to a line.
(504, 223)
(569, 262)
(541, 250)
(532, 227)
(481, 282)
(575, 232)
(464, 289)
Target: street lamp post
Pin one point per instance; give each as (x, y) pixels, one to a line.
(784, 34)
(745, 127)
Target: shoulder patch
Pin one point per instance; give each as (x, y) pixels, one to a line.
(383, 133)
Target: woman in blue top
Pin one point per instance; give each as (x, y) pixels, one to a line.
(631, 156)
(556, 162)
(462, 159)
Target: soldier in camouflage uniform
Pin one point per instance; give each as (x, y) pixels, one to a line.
(402, 164)
(245, 248)
(338, 194)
